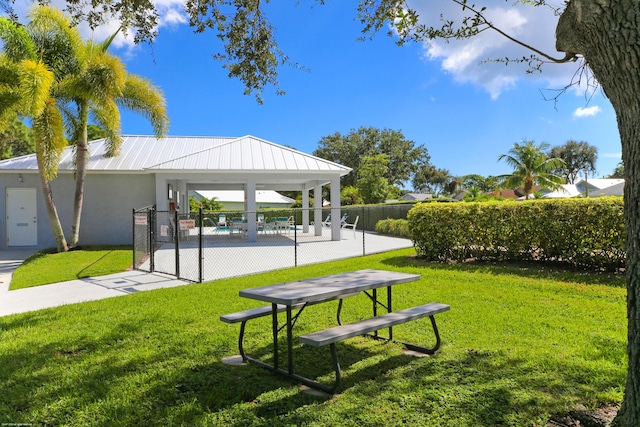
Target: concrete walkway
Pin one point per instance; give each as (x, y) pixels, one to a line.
(81, 290)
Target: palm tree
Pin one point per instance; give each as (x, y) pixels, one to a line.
(31, 62)
(531, 167)
(99, 86)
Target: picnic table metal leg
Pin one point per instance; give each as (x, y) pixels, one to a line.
(426, 350)
(274, 325)
(289, 341)
(375, 308)
(336, 366)
(389, 310)
(240, 340)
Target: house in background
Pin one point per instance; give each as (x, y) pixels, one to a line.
(416, 197)
(507, 193)
(591, 187)
(158, 172)
(233, 200)
(612, 190)
(565, 190)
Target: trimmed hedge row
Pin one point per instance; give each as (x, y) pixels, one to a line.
(393, 227)
(584, 232)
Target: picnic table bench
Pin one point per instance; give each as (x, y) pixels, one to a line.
(298, 295)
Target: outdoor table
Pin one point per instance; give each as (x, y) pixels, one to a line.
(302, 293)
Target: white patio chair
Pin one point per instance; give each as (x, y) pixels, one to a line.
(352, 226)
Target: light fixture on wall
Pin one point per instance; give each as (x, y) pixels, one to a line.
(20, 179)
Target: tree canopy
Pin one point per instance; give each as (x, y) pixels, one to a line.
(404, 156)
(618, 172)
(577, 156)
(372, 183)
(531, 167)
(16, 140)
(432, 179)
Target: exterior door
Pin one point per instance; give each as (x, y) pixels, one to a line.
(22, 217)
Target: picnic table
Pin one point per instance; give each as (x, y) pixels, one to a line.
(298, 295)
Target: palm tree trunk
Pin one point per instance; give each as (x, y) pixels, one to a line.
(82, 154)
(54, 220)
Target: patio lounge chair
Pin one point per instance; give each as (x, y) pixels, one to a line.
(327, 221)
(237, 225)
(352, 226)
(222, 221)
(282, 224)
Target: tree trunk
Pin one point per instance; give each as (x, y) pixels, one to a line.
(82, 154)
(606, 33)
(54, 220)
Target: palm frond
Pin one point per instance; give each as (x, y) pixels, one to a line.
(17, 42)
(36, 80)
(108, 118)
(48, 131)
(59, 43)
(142, 97)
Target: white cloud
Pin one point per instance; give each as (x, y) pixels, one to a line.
(617, 155)
(586, 112)
(171, 12)
(466, 60)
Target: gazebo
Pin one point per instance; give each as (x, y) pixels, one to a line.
(161, 172)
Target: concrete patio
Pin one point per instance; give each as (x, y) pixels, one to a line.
(226, 255)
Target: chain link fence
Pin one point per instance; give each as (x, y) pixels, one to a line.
(202, 246)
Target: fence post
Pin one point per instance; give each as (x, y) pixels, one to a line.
(364, 221)
(152, 238)
(133, 235)
(295, 239)
(200, 251)
(176, 239)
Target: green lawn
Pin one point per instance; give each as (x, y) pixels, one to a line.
(43, 267)
(519, 345)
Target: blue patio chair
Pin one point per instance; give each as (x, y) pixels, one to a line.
(327, 221)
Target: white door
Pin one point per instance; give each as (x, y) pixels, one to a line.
(22, 217)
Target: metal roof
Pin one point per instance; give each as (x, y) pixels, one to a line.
(189, 154)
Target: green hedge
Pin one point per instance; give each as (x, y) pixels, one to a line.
(393, 227)
(584, 232)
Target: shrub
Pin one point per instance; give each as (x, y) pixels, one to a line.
(585, 232)
(393, 227)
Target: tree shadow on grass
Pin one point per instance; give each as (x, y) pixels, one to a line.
(483, 388)
(541, 270)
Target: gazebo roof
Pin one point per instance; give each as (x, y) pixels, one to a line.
(172, 154)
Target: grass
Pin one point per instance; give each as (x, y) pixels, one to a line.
(519, 345)
(45, 267)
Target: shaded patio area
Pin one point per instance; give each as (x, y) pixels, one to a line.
(229, 255)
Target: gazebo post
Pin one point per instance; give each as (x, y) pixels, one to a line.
(305, 210)
(250, 208)
(317, 209)
(335, 208)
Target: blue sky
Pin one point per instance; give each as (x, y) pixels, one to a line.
(465, 113)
